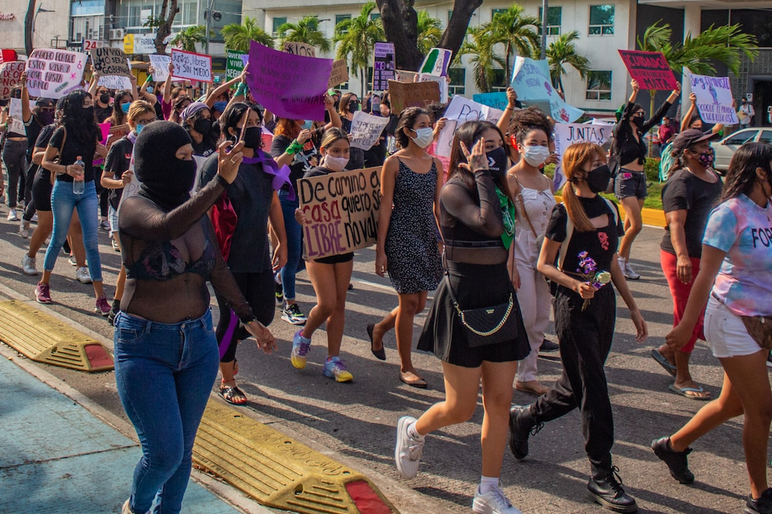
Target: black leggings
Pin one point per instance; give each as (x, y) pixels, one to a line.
(259, 291)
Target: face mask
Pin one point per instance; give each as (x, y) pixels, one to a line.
(182, 175)
(706, 159)
(139, 129)
(202, 126)
(639, 121)
(149, 90)
(253, 137)
(88, 112)
(424, 137)
(376, 107)
(535, 155)
(46, 117)
(353, 106)
(497, 162)
(125, 107)
(307, 125)
(104, 98)
(335, 163)
(597, 180)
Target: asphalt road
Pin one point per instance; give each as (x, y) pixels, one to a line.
(356, 422)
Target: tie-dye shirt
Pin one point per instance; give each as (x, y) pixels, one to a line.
(744, 230)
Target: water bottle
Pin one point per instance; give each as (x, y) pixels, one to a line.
(78, 184)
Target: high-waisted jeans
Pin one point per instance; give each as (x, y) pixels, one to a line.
(164, 374)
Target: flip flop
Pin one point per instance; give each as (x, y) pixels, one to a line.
(408, 379)
(379, 354)
(662, 361)
(686, 390)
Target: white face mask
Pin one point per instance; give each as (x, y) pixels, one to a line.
(424, 137)
(535, 155)
(335, 163)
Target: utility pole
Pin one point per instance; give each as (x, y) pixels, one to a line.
(544, 8)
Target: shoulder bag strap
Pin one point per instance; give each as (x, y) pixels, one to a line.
(51, 174)
(566, 241)
(522, 207)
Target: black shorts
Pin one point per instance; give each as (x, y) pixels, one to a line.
(41, 190)
(630, 184)
(336, 259)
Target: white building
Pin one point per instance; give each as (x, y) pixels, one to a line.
(49, 29)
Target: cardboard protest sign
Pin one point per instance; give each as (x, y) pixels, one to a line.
(160, 64)
(288, 85)
(495, 100)
(54, 73)
(341, 210)
(567, 134)
(115, 82)
(442, 82)
(412, 94)
(109, 61)
(234, 65)
(339, 74)
(650, 69)
(366, 129)
(299, 49)
(10, 77)
(384, 66)
(714, 99)
(459, 112)
(192, 66)
(531, 81)
(406, 76)
(436, 62)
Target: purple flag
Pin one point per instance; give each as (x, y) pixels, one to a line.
(290, 86)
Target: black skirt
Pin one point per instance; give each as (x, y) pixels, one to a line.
(475, 286)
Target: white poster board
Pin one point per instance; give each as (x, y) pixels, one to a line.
(458, 112)
(54, 73)
(192, 66)
(714, 99)
(567, 134)
(366, 129)
(160, 64)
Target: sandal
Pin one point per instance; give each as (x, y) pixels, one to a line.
(413, 380)
(233, 395)
(694, 393)
(379, 354)
(662, 361)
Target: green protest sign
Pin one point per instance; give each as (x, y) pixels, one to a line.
(234, 65)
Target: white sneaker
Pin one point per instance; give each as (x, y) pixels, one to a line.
(82, 275)
(629, 273)
(407, 452)
(28, 265)
(492, 502)
(34, 218)
(12, 215)
(24, 229)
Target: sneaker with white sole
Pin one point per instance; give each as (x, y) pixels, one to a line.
(12, 216)
(82, 275)
(72, 261)
(29, 265)
(24, 228)
(492, 502)
(291, 314)
(335, 368)
(300, 348)
(34, 218)
(408, 450)
(629, 273)
(101, 306)
(43, 293)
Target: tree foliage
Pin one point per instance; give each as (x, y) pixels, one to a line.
(429, 32)
(163, 24)
(237, 36)
(518, 33)
(479, 45)
(355, 39)
(562, 51)
(304, 31)
(190, 36)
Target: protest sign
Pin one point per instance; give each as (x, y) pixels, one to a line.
(441, 81)
(412, 94)
(366, 129)
(650, 69)
(567, 134)
(8, 55)
(288, 85)
(459, 112)
(10, 77)
(160, 64)
(234, 65)
(339, 74)
(299, 49)
(531, 81)
(436, 62)
(109, 61)
(714, 99)
(192, 66)
(16, 120)
(54, 73)
(115, 82)
(405, 76)
(384, 65)
(495, 100)
(341, 211)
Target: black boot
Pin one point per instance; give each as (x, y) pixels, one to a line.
(521, 425)
(761, 506)
(677, 462)
(605, 488)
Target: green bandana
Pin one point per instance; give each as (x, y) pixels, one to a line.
(508, 212)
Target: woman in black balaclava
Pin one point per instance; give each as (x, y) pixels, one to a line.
(165, 350)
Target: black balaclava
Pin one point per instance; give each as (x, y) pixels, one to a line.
(166, 180)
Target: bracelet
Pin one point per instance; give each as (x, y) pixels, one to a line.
(294, 147)
(66, 167)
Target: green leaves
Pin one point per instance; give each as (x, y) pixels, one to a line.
(305, 31)
(356, 37)
(237, 37)
(517, 32)
(190, 36)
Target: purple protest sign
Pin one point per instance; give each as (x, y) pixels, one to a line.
(290, 86)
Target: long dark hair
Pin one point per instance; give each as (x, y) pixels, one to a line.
(469, 133)
(119, 117)
(741, 177)
(231, 116)
(407, 119)
(81, 123)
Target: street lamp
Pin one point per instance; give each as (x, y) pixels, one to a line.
(210, 14)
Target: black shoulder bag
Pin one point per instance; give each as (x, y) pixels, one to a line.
(487, 325)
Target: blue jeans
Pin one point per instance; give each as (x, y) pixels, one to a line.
(63, 202)
(164, 374)
(294, 244)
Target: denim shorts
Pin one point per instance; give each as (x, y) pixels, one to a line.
(630, 183)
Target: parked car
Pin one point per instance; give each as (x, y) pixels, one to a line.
(726, 148)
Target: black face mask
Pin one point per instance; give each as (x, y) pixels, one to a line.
(597, 180)
(253, 137)
(497, 162)
(639, 121)
(88, 113)
(46, 117)
(104, 98)
(353, 106)
(202, 126)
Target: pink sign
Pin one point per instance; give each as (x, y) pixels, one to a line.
(290, 86)
(10, 77)
(650, 69)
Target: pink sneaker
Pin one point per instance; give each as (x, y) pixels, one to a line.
(102, 307)
(43, 293)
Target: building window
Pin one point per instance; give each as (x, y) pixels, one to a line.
(340, 17)
(494, 12)
(278, 22)
(598, 85)
(375, 16)
(554, 20)
(601, 20)
(498, 82)
(450, 15)
(457, 78)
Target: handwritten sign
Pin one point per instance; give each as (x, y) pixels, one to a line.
(714, 99)
(192, 66)
(303, 49)
(16, 116)
(384, 66)
(531, 81)
(109, 61)
(115, 82)
(459, 112)
(288, 85)
(442, 82)
(366, 129)
(436, 62)
(495, 100)
(10, 77)
(160, 64)
(405, 76)
(54, 73)
(234, 65)
(339, 73)
(412, 94)
(567, 134)
(650, 69)
(341, 210)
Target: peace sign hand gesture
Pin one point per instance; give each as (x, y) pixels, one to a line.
(477, 160)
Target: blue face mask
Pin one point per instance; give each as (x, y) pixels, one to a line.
(139, 129)
(149, 89)
(125, 107)
(307, 125)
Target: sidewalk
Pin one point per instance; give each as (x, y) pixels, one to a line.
(58, 457)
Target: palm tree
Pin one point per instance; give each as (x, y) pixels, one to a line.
(305, 31)
(563, 51)
(190, 36)
(517, 33)
(429, 32)
(357, 36)
(237, 37)
(484, 59)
